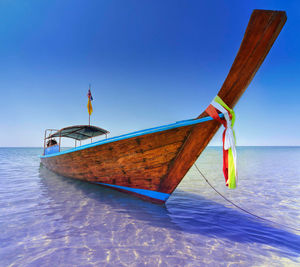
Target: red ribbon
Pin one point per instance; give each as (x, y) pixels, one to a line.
(213, 112)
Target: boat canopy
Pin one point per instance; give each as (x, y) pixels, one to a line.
(79, 132)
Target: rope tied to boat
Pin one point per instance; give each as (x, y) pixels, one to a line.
(240, 208)
(229, 140)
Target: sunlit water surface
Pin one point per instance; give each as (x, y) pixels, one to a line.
(49, 220)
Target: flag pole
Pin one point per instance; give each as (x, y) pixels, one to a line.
(89, 112)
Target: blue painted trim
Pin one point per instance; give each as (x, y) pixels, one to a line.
(134, 134)
(51, 149)
(144, 192)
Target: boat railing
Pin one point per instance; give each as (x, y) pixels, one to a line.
(50, 144)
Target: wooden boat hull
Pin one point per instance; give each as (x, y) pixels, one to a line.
(137, 165)
(151, 163)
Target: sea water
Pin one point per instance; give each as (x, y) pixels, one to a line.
(49, 220)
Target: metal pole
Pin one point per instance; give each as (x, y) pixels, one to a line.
(89, 103)
(50, 138)
(59, 141)
(45, 140)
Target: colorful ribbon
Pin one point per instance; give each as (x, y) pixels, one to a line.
(229, 150)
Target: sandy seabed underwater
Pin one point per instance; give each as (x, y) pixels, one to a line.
(49, 220)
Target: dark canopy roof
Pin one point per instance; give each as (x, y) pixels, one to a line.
(79, 132)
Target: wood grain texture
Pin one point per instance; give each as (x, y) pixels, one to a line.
(262, 30)
(138, 162)
(159, 161)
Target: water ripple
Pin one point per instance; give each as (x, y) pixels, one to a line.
(49, 220)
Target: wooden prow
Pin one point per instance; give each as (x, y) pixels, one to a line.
(262, 30)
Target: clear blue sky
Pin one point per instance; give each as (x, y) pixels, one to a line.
(149, 62)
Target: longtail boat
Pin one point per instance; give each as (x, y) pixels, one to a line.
(152, 162)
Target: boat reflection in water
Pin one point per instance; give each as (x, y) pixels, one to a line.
(102, 218)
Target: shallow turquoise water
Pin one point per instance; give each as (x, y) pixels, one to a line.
(49, 220)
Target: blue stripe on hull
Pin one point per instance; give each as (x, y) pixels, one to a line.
(134, 134)
(143, 192)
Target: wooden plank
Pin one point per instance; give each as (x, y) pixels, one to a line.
(139, 162)
(263, 28)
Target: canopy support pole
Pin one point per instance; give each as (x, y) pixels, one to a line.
(59, 141)
(45, 140)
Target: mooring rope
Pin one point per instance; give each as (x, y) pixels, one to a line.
(237, 206)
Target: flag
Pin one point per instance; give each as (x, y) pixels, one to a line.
(89, 105)
(90, 95)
